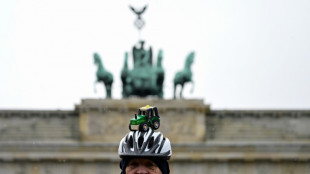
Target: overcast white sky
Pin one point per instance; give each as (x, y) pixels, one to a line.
(250, 54)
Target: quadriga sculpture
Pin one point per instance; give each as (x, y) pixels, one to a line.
(185, 75)
(103, 76)
(144, 79)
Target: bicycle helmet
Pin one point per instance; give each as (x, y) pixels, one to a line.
(145, 144)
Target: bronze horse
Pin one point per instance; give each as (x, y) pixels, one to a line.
(103, 76)
(185, 75)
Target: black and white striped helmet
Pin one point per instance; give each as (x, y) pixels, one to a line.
(145, 144)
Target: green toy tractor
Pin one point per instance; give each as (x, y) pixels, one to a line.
(147, 117)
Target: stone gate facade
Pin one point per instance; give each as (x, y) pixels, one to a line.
(85, 140)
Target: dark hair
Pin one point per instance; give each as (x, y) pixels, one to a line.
(161, 163)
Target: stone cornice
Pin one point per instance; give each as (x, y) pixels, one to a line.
(37, 113)
(124, 105)
(260, 113)
(247, 151)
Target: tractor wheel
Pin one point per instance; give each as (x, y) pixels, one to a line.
(144, 127)
(156, 124)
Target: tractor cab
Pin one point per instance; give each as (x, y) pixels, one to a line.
(149, 112)
(147, 117)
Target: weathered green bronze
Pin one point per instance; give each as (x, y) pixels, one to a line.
(139, 23)
(144, 79)
(185, 75)
(103, 76)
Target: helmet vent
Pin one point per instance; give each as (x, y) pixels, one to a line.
(130, 142)
(140, 141)
(126, 139)
(151, 143)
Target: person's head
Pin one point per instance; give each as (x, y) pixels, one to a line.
(145, 152)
